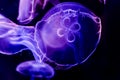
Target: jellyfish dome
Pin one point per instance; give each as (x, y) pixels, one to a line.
(70, 32)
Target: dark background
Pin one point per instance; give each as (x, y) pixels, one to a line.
(104, 64)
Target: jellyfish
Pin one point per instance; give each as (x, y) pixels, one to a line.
(70, 32)
(35, 69)
(66, 36)
(28, 9)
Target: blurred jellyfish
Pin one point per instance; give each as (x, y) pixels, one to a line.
(7, 31)
(70, 32)
(35, 69)
(28, 9)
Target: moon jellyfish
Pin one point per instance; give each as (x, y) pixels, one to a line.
(66, 36)
(35, 69)
(70, 32)
(28, 9)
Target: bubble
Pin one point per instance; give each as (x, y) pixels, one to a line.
(71, 33)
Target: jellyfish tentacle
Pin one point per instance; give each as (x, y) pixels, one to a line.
(17, 38)
(28, 9)
(7, 30)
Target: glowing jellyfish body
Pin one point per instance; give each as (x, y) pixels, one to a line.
(70, 32)
(35, 69)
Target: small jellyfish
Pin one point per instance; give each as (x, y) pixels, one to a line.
(35, 69)
(70, 32)
(28, 9)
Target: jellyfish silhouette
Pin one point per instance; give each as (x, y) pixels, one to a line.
(70, 32)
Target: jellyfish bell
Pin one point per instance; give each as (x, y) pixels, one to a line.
(35, 69)
(70, 32)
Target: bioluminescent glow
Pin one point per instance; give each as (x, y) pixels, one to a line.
(66, 36)
(70, 32)
(28, 9)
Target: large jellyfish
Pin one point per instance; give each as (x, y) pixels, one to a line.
(70, 32)
(66, 36)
